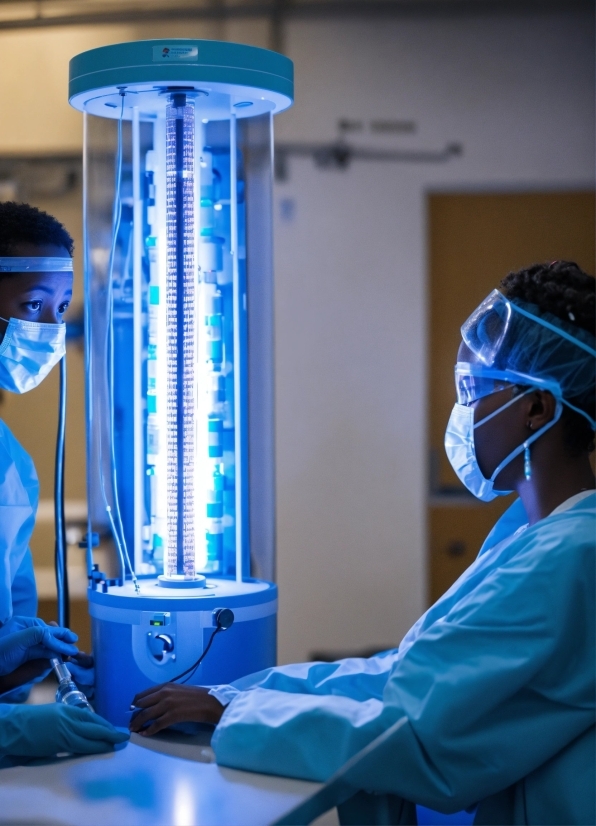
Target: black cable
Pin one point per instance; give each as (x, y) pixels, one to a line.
(224, 618)
(194, 667)
(60, 554)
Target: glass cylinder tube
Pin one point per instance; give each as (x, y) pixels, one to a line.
(179, 285)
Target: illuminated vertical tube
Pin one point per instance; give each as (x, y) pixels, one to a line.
(180, 336)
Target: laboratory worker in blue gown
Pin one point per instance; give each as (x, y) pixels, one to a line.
(35, 290)
(495, 684)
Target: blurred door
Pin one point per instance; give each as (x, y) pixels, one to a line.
(475, 240)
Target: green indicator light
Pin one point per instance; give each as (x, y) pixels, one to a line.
(153, 295)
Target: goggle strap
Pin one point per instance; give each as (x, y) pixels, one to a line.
(552, 327)
(503, 407)
(519, 378)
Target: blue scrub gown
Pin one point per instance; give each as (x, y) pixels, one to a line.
(19, 496)
(496, 680)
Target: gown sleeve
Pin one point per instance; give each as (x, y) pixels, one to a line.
(490, 692)
(24, 589)
(354, 677)
(24, 604)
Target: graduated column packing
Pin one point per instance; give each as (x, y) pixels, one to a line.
(181, 339)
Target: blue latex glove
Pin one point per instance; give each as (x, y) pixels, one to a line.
(19, 623)
(43, 731)
(83, 673)
(39, 642)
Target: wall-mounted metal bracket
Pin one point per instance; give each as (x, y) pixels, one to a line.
(340, 155)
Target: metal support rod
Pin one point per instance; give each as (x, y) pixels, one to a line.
(112, 511)
(137, 274)
(277, 25)
(87, 330)
(237, 298)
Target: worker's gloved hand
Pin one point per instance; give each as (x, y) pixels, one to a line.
(83, 673)
(19, 623)
(43, 731)
(39, 642)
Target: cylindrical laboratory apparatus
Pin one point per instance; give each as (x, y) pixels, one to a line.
(179, 363)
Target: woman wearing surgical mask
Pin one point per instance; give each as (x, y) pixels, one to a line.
(491, 694)
(35, 291)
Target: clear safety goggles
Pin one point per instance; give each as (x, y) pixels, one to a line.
(485, 330)
(475, 381)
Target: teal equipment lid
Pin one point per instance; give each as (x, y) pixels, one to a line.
(251, 80)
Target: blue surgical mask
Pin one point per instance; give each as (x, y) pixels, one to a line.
(461, 450)
(28, 352)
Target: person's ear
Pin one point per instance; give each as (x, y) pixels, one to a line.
(542, 409)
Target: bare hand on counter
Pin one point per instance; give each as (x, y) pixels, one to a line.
(166, 704)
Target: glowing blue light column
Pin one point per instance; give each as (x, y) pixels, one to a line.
(180, 338)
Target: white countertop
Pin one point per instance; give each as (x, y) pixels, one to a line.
(169, 780)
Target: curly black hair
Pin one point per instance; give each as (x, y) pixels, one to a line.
(26, 224)
(563, 289)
